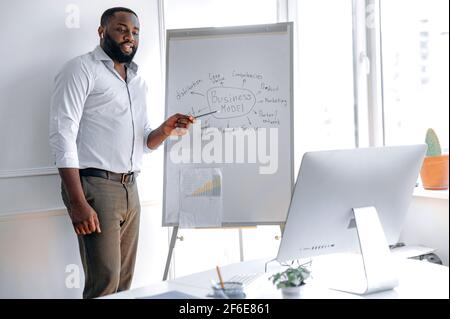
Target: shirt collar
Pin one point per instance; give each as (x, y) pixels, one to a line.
(100, 55)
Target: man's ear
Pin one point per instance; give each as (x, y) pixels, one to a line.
(101, 32)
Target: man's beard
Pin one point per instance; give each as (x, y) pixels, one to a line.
(112, 49)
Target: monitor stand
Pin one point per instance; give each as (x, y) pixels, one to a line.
(379, 267)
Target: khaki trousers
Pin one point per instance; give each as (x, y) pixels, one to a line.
(108, 258)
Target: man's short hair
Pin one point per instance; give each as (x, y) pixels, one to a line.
(110, 12)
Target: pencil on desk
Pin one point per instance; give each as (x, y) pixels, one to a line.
(220, 277)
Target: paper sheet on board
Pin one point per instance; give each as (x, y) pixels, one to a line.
(201, 200)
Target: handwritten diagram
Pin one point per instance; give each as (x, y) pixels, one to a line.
(242, 100)
(230, 102)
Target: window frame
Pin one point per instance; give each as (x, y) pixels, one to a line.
(369, 106)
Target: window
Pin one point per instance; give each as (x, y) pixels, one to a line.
(415, 54)
(324, 100)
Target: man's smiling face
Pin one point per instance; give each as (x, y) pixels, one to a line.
(120, 36)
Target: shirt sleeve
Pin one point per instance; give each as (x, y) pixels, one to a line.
(147, 128)
(147, 131)
(72, 86)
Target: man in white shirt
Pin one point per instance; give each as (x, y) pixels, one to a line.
(98, 134)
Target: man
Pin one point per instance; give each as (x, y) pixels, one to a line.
(98, 133)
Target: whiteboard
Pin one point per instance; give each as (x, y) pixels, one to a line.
(246, 73)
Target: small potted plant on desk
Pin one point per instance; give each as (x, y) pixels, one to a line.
(290, 280)
(434, 172)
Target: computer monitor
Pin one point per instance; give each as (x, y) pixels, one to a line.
(352, 200)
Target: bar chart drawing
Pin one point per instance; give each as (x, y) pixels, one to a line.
(211, 188)
(201, 198)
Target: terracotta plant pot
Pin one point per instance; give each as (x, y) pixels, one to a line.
(434, 172)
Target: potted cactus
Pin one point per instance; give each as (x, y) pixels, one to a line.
(434, 172)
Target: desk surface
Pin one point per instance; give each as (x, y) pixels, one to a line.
(417, 280)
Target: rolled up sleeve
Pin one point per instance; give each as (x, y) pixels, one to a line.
(147, 131)
(72, 85)
(147, 128)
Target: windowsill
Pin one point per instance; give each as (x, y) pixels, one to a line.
(438, 194)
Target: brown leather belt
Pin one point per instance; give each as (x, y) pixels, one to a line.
(125, 178)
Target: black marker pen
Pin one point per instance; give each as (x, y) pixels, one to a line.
(206, 114)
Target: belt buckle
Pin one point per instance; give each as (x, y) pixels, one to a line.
(124, 180)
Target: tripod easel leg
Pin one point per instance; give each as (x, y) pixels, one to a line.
(282, 228)
(169, 255)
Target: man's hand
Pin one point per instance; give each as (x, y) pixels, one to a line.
(177, 124)
(84, 219)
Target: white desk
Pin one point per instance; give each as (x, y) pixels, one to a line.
(418, 280)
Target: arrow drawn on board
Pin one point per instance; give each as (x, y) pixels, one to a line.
(249, 121)
(196, 93)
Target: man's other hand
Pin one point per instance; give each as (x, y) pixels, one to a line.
(84, 219)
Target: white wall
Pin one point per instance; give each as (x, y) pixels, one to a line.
(35, 250)
(39, 253)
(37, 241)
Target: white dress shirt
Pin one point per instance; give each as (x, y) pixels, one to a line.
(96, 118)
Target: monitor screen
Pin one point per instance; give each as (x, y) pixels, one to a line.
(331, 184)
